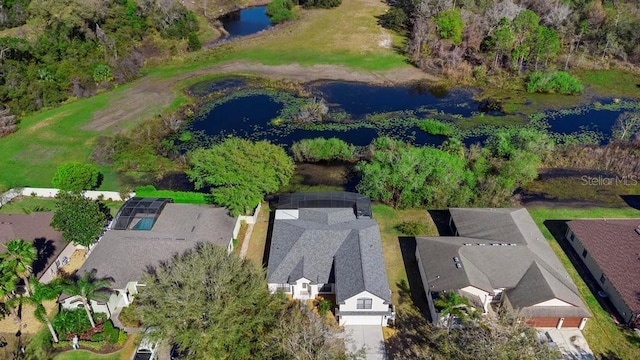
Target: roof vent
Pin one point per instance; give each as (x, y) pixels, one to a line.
(494, 244)
(512, 244)
(638, 230)
(458, 265)
(467, 244)
(479, 244)
(456, 259)
(504, 244)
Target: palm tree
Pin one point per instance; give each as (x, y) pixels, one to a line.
(87, 287)
(19, 258)
(452, 305)
(8, 281)
(37, 294)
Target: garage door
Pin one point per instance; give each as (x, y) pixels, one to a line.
(571, 322)
(543, 322)
(360, 320)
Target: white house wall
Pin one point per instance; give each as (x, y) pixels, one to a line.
(553, 302)
(482, 295)
(351, 304)
(52, 271)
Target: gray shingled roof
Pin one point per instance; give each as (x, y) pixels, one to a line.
(498, 248)
(124, 255)
(324, 239)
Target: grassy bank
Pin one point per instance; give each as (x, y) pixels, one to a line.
(348, 35)
(605, 338)
(614, 83)
(47, 139)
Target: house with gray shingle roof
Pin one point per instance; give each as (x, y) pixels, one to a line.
(144, 233)
(331, 251)
(499, 256)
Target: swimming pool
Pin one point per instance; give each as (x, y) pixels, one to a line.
(144, 224)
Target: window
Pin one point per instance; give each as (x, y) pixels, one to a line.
(602, 279)
(584, 253)
(364, 303)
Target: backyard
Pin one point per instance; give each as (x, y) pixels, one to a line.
(28, 204)
(606, 339)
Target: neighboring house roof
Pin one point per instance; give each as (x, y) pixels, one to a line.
(321, 243)
(124, 255)
(615, 247)
(34, 227)
(498, 249)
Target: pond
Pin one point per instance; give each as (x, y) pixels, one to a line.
(363, 112)
(246, 21)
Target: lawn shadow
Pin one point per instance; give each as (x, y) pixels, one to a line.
(441, 220)
(632, 200)
(267, 244)
(558, 228)
(413, 291)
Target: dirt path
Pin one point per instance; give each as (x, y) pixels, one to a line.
(150, 94)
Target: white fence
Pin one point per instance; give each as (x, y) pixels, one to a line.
(248, 219)
(51, 192)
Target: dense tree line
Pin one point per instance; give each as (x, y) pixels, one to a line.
(403, 175)
(471, 37)
(72, 48)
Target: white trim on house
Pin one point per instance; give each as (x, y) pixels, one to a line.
(553, 302)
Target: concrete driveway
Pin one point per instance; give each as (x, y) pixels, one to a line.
(368, 337)
(570, 342)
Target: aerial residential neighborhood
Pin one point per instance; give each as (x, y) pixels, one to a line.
(319, 179)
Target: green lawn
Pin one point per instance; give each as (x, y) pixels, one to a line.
(86, 355)
(611, 82)
(388, 218)
(348, 35)
(49, 138)
(29, 204)
(602, 334)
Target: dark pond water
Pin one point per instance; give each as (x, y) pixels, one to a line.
(359, 99)
(596, 120)
(250, 116)
(246, 21)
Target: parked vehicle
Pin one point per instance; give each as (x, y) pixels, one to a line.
(147, 350)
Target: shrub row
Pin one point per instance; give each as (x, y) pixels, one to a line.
(554, 82)
(435, 127)
(321, 149)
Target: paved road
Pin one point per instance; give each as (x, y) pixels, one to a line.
(368, 337)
